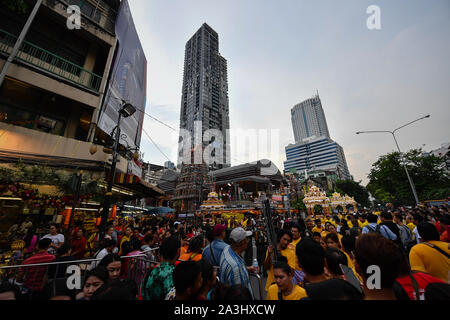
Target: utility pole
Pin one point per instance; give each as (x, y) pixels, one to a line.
(19, 41)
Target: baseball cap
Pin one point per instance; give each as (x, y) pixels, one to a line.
(218, 229)
(239, 234)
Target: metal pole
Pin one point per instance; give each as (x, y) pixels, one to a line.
(108, 194)
(19, 41)
(411, 183)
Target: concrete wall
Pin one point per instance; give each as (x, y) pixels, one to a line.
(46, 83)
(19, 139)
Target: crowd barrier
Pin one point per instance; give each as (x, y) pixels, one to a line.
(34, 279)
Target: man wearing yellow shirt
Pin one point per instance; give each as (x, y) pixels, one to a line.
(362, 222)
(295, 230)
(318, 227)
(284, 289)
(283, 248)
(431, 256)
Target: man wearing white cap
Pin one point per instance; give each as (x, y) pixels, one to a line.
(233, 270)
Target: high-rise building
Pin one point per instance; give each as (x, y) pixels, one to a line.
(205, 95)
(320, 154)
(314, 152)
(308, 120)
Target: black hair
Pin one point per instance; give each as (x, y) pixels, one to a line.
(445, 219)
(311, 256)
(374, 249)
(44, 243)
(348, 242)
(386, 215)
(169, 248)
(116, 290)
(135, 243)
(317, 234)
(98, 272)
(283, 266)
(372, 218)
(65, 247)
(108, 259)
(428, 231)
(334, 258)
(108, 243)
(282, 233)
(196, 244)
(296, 226)
(185, 275)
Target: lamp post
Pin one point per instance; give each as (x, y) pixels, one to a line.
(411, 183)
(127, 110)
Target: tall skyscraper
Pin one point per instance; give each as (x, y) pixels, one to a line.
(308, 120)
(314, 152)
(205, 95)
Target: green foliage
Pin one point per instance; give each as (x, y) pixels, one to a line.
(353, 189)
(389, 183)
(298, 203)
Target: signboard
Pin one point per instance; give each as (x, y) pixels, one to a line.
(134, 169)
(128, 81)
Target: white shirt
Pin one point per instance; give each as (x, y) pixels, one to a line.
(100, 256)
(56, 240)
(416, 233)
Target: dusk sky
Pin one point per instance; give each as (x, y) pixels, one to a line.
(282, 52)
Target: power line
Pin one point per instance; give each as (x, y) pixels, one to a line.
(155, 144)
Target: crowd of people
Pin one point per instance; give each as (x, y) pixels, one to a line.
(394, 254)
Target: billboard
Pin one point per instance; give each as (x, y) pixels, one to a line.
(128, 81)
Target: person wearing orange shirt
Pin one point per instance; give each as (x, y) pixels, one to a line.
(195, 249)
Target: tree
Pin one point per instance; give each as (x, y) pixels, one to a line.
(389, 183)
(354, 189)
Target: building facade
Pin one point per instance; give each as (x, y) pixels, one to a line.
(308, 120)
(318, 154)
(205, 98)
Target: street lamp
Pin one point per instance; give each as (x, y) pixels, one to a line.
(127, 110)
(411, 183)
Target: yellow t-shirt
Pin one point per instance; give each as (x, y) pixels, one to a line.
(426, 259)
(292, 246)
(411, 227)
(363, 224)
(297, 294)
(316, 229)
(291, 257)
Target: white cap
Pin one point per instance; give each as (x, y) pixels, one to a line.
(239, 234)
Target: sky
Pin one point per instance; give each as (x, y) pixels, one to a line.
(282, 52)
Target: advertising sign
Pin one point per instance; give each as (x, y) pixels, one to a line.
(128, 81)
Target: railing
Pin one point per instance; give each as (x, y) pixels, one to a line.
(96, 11)
(32, 279)
(50, 62)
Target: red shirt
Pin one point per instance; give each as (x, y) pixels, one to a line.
(79, 246)
(34, 276)
(422, 279)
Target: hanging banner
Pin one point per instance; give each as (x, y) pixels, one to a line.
(128, 81)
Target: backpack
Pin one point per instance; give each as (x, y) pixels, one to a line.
(376, 231)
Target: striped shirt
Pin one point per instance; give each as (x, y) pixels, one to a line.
(34, 276)
(233, 270)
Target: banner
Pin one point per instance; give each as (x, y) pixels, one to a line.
(128, 81)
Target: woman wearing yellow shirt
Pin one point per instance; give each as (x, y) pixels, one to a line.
(284, 289)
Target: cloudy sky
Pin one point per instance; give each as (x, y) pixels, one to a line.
(281, 52)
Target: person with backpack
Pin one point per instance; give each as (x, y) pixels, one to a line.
(431, 256)
(373, 227)
(406, 236)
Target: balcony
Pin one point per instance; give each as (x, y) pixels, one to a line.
(49, 62)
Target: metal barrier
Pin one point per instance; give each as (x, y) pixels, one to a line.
(35, 279)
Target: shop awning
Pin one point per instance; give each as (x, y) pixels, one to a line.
(159, 210)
